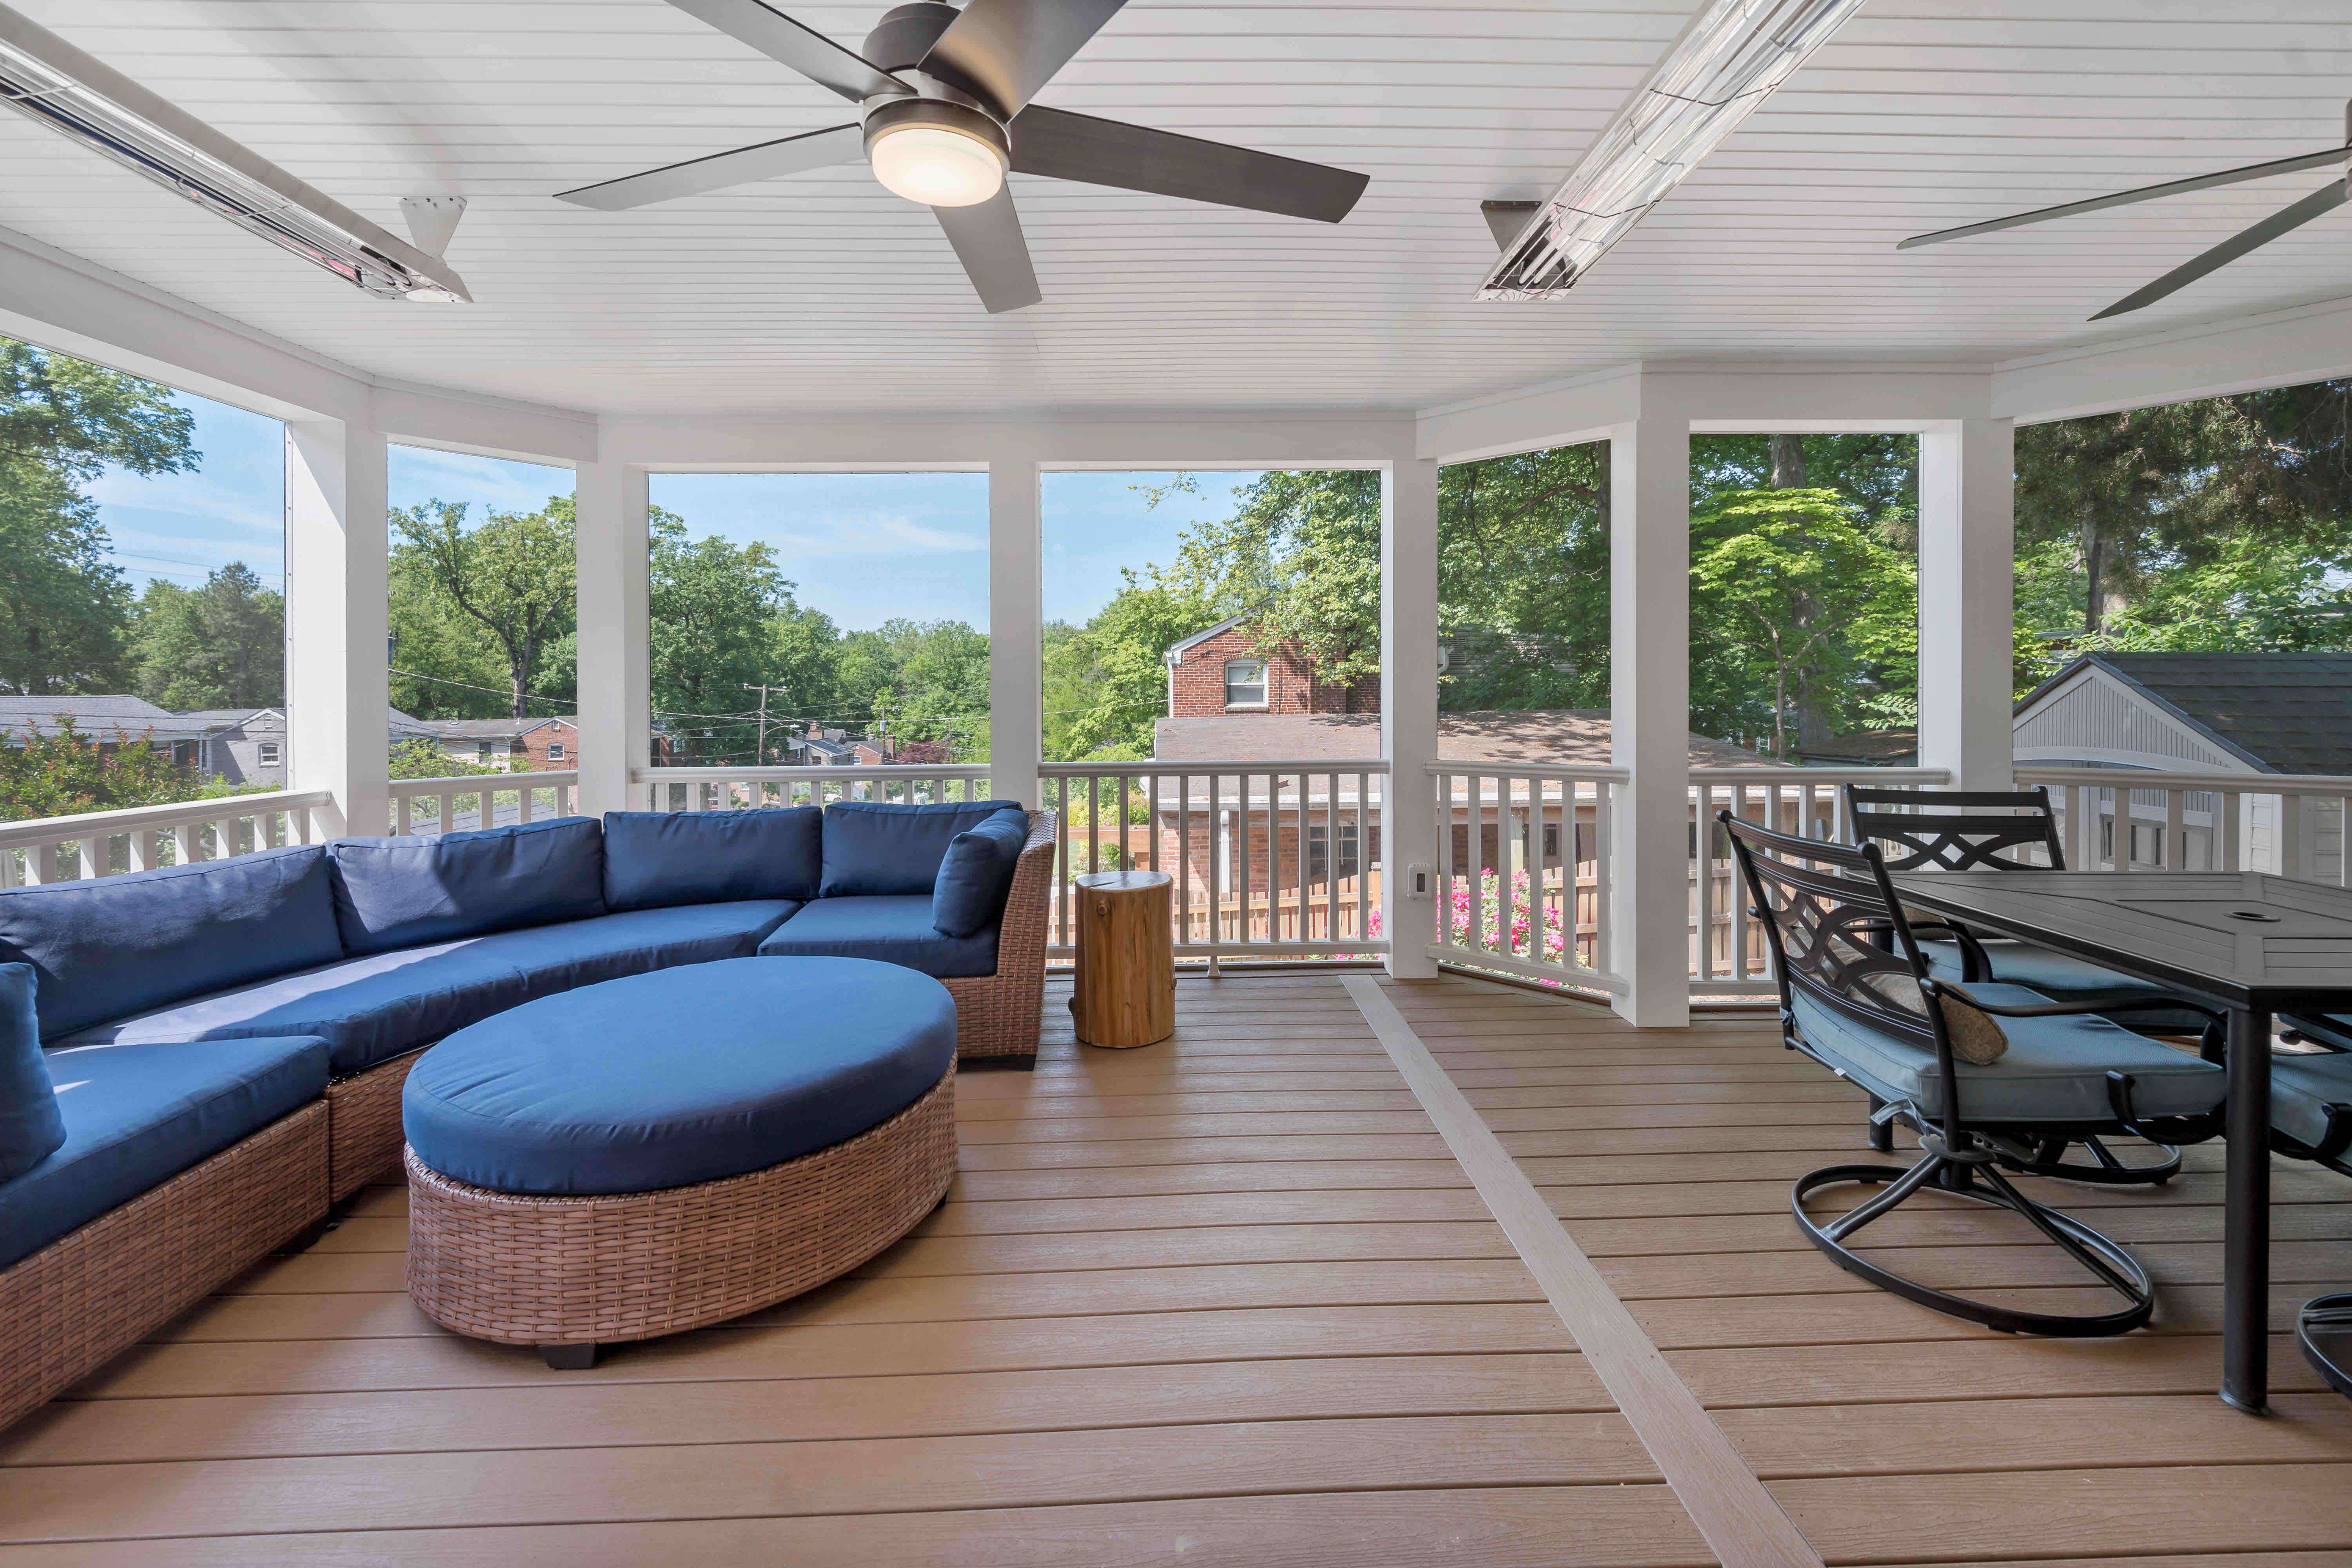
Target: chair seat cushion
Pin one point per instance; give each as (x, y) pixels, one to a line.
(2056, 1069)
(679, 1077)
(2303, 1088)
(897, 930)
(2327, 1028)
(2063, 978)
(372, 1008)
(136, 1116)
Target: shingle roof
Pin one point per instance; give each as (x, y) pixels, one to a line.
(491, 729)
(1557, 736)
(2283, 712)
(92, 714)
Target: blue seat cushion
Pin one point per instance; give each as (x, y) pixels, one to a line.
(2056, 1069)
(2303, 1088)
(2064, 978)
(2327, 1028)
(978, 872)
(875, 849)
(31, 1127)
(658, 858)
(375, 1008)
(118, 944)
(400, 892)
(679, 1077)
(136, 1116)
(894, 929)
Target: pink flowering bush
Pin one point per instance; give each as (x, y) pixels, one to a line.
(1475, 918)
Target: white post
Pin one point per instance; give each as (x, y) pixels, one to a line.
(1015, 629)
(1649, 706)
(1967, 581)
(1408, 822)
(616, 710)
(337, 695)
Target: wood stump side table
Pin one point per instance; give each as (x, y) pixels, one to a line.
(1124, 994)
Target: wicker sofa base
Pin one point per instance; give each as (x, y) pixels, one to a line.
(364, 1132)
(584, 1271)
(84, 1298)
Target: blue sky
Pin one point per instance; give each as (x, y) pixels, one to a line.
(861, 547)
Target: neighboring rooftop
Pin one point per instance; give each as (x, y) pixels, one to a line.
(1551, 737)
(492, 729)
(92, 714)
(2283, 712)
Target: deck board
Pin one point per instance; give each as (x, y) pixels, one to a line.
(1234, 1299)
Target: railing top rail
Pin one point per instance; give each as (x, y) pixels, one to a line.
(1791, 776)
(1144, 767)
(172, 814)
(1569, 773)
(2154, 778)
(485, 781)
(804, 774)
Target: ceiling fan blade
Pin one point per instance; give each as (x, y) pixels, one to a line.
(2326, 199)
(1010, 49)
(2142, 194)
(1107, 153)
(788, 155)
(987, 241)
(811, 53)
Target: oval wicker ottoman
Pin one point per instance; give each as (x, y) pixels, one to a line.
(667, 1150)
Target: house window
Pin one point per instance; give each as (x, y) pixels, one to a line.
(1246, 683)
(1318, 852)
(481, 750)
(555, 751)
(268, 754)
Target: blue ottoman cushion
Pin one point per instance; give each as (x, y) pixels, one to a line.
(896, 931)
(660, 858)
(873, 848)
(136, 1116)
(121, 944)
(677, 1077)
(399, 892)
(31, 1127)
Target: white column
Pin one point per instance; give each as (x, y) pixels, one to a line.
(1967, 582)
(1015, 627)
(1409, 714)
(337, 695)
(616, 710)
(1649, 705)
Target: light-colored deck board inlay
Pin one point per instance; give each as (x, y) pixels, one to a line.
(1739, 1519)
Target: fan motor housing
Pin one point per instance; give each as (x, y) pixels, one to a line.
(907, 33)
(896, 113)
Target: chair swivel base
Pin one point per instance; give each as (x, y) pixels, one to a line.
(2324, 1330)
(2109, 1265)
(2050, 1160)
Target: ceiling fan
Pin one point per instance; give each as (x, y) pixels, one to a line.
(947, 112)
(2294, 216)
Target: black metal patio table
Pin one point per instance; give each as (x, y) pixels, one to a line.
(2251, 943)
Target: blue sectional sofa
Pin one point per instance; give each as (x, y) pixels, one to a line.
(224, 1044)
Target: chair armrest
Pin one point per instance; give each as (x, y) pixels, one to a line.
(2159, 1001)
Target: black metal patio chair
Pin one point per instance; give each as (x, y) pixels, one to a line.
(1983, 1074)
(2311, 1118)
(2004, 830)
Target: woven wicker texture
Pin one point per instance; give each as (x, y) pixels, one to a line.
(364, 1132)
(562, 1270)
(997, 1015)
(83, 1299)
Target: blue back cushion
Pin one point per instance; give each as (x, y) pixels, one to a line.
(977, 873)
(874, 851)
(117, 945)
(402, 892)
(31, 1126)
(654, 859)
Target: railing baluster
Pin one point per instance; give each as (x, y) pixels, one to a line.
(1364, 859)
(1185, 859)
(1703, 858)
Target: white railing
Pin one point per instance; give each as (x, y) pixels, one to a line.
(430, 808)
(724, 788)
(2291, 825)
(1266, 859)
(1523, 870)
(1728, 954)
(144, 838)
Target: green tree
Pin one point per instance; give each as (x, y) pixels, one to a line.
(513, 576)
(66, 773)
(1523, 581)
(220, 646)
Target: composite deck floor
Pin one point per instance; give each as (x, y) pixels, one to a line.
(1233, 1299)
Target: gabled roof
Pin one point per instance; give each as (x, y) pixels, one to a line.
(2280, 712)
(1175, 652)
(99, 715)
(493, 729)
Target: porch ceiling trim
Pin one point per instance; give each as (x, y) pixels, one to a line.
(1177, 439)
(2212, 359)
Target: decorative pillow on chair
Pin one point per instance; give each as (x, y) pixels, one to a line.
(1976, 1036)
(31, 1128)
(977, 874)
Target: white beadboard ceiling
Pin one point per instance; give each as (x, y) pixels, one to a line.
(823, 292)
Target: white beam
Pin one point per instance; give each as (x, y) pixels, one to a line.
(1015, 628)
(1409, 826)
(337, 695)
(1649, 732)
(615, 707)
(1175, 439)
(2244, 353)
(1966, 583)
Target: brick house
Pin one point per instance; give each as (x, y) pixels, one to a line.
(1224, 671)
(536, 745)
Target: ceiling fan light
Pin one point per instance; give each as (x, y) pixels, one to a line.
(936, 166)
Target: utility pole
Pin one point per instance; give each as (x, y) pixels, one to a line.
(760, 752)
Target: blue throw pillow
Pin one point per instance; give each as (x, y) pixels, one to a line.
(655, 858)
(31, 1127)
(112, 946)
(402, 892)
(977, 874)
(876, 850)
